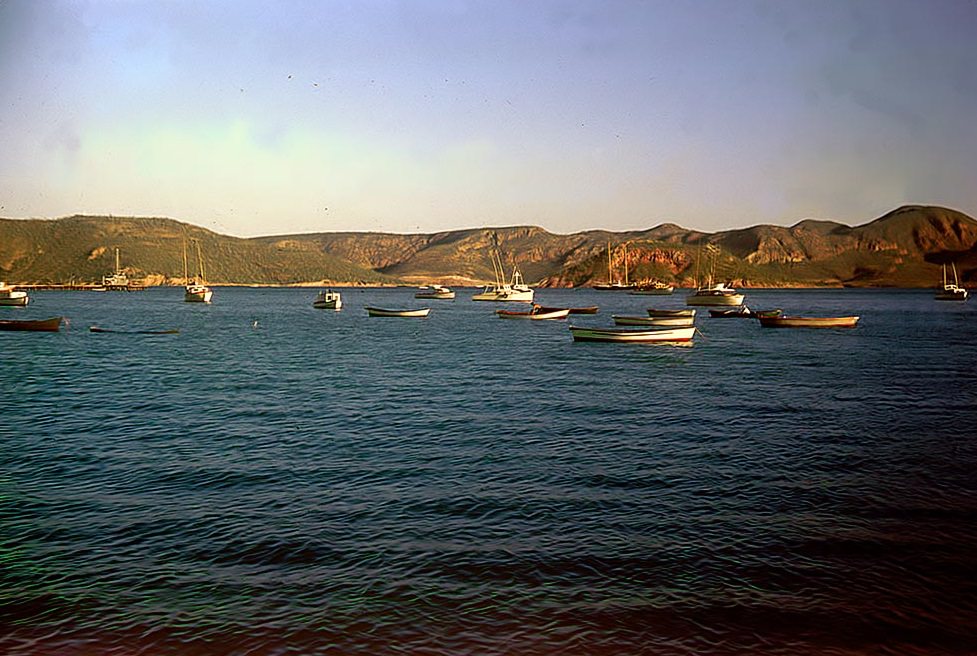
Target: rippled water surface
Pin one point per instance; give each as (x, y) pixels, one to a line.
(326, 483)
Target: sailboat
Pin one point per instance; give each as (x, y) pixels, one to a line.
(196, 290)
(713, 293)
(951, 291)
(515, 289)
(119, 281)
(614, 285)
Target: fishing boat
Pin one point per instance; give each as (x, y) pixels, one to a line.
(327, 299)
(51, 325)
(196, 290)
(742, 312)
(381, 312)
(674, 335)
(10, 295)
(535, 314)
(513, 290)
(118, 281)
(611, 284)
(674, 322)
(656, 288)
(710, 292)
(684, 312)
(436, 292)
(807, 322)
(592, 309)
(951, 291)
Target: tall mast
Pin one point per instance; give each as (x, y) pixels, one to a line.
(117, 259)
(200, 263)
(186, 274)
(625, 264)
(955, 281)
(610, 279)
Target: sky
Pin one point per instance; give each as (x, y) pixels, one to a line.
(259, 118)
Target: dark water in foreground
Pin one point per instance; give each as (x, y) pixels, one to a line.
(329, 483)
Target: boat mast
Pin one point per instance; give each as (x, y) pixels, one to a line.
(610, 279)
(117, 259)
(956, 283)
(200, 263)
(625, 247)
(186, 274)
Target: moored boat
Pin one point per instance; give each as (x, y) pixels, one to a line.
(10, 295)
(437, 292)
(684, 312)
(744, 312)
(98, 329)
(807, 322)
(593, 309)
(327, 299)
(196, 290)
(951, 291)
(656, 288)
(51, 325)
(718, 294)
(382, 312)
(673, 335)
(674, 322)
(515, 290)
(536, 314)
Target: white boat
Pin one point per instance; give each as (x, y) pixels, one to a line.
(674, 322)
(536, 314)
(951, 291)
(10, 295)
(712, 293)
(381, 312)
(437, 292)
(673, 335)
(196, 290)
(118, 280)
(515, 290)
(327, 299)
(656, 288)
(684, 312)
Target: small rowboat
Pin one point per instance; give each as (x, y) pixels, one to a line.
(687, 312)
(380, 312)
(51, 325)
(536, 314)
(671, 322)
(673, 335)
(808, 322)
(97, 329)
(580, 310)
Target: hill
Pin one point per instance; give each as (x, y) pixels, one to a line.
(902, 248)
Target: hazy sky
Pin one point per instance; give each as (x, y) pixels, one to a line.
(271, 117)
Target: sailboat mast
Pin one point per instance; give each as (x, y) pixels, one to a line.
(117, 259)
(186, 274)
(609, 278)
(200, 263)
(625, 265)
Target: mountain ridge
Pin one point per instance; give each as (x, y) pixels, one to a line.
(904, 247)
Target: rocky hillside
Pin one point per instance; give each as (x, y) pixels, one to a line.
(903, 248)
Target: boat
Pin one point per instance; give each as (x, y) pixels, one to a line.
(535, 314)
(10, 295)
(515, 290)
(51, 325)
(742, 312)
(196, 290)
(674, 322)
(656, 288)
(951, 291)
(808, 322)
(118, 281)
(674, 335)
(381, 312)
(97, 329)
(436, 292)
(327, 299)
(611, 284)
(592, 309)
(684, 312)
(711, 293)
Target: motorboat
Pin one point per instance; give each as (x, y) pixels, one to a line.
(515, 290)
(10, 295)
(807, 322)
(51, 325)
(196, 290)
(674, 322)
(382, 312)
(436, 292)
(951, 291)
(327, 299)
(536, 314)
(684, 312)
(717, 294)
(657, 288)
(674, 335)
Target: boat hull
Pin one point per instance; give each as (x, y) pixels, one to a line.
(656, 291)
(328, 301)
(503, 296)
(808, 322)
(672, 322)
(673, 335)
(686, 312)
(198, 295)
(533, 316)
(437, 296)
(956, 295)
(51, 325)
(15, 301)
(593, 309)
(381, 312)
(715, 299)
